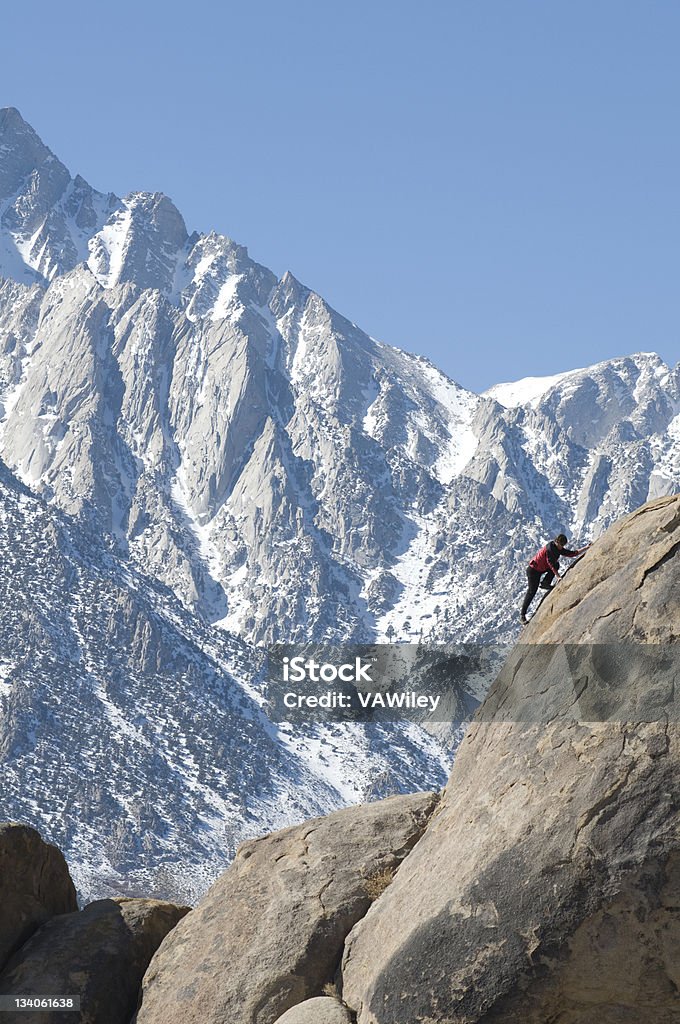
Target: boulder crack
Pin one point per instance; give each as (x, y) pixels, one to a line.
(602, 804)
(659, 562)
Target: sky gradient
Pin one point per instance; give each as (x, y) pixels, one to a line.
(494, 185)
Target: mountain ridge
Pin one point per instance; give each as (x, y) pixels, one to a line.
(255, 468)
(216, 365)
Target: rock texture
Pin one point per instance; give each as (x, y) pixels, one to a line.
(99, 954)
(320, 1010)
(270, 932)
(547, 885)
(35, 885)
(46, 217)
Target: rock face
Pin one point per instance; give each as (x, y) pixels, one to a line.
(320, 1010)
(270, 932)
(626, 589)
(547, 885)
(99, 954)
(34, 886)
(47, 216)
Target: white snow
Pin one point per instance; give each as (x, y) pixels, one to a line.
(201, 531)
(674, 428)
(225, 297)
(527, 391)
(310, 361)
(455, 408)
(206, 290)
(460, 406)
(653, 372)
(80, 237)
(13, 261)
(6, 667)
(237, 601)
(420, 603)
(530, 390)
(107, 248)
(370, 421)
(25, 247)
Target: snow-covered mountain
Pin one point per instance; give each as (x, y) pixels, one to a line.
(228, 460)
(134, 735)
(288, 476)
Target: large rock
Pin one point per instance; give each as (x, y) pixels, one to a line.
(319, 1010)
(270, 932)
(34, 886)
(99, 954)
(547, 886)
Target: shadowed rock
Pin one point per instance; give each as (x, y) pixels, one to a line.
(34, 886)
(99, 954)
(547, 886)
(269, 933)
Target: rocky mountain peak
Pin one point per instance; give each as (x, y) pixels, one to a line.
(46, 217)
(22, 152)
(203, 346)
(290, 292)
(141, 242)
(9, 118)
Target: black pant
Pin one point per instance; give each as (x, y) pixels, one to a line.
(533, 580)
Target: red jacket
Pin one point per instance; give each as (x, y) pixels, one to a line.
(548, 558)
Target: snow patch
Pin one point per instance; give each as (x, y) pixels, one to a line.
(527, 391)
(421, 603)
(202, 532)
(6, 669)
(225, 297)
(237, 601)
(108, 247)
(460, 406)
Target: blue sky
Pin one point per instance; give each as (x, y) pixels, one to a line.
(493, 184)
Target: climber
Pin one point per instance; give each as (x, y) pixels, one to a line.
(546, 563)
